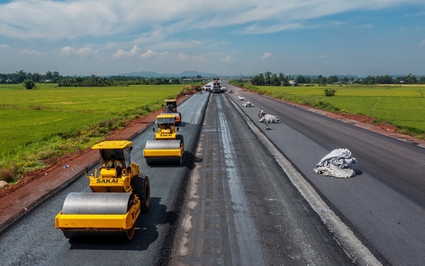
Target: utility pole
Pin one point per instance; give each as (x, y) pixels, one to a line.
(244, 79)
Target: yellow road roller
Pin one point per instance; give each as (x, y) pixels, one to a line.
(119, 193)
(168, 146)
(171, 108)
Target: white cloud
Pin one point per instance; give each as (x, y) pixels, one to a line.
(149, 54)
(161, 56)
(260, 29)
(85, 52)
(228, 58)
(67, 51)
(422, 42)
(120, 53)
(196, 42)
(183, 57)
(82, 52)
(4, 46)
(135, 50)
(165, 55)
(30, 52)
(420, 14)
(199, 58)
(267, 55)
(61, 20)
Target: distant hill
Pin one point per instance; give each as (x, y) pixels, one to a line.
(148, 74)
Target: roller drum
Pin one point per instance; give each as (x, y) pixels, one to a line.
(162, 144)
(96, 203)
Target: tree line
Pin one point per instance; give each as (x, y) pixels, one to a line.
(96, 81)
(262, 79)
(269, 79)
(21, 75)
(82, 81)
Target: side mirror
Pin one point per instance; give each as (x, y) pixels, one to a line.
(177, 129)
(153, 129)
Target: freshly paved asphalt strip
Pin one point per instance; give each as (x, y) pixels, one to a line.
(343, 234)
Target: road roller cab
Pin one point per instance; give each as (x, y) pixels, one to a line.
(168, 145)
(108, 178)
(118, 196)
(171, 108)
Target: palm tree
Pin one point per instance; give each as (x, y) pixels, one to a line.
(29, 84)
(267, 77)
(275, 80)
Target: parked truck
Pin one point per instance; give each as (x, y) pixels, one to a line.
(216, 86)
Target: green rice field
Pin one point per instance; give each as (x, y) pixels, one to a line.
(402, 106)
(45, 120)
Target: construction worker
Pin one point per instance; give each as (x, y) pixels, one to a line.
(113, 163)
(266, 124)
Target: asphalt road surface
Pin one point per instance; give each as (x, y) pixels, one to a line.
(241, 209)
(233, 202)
(384, 205)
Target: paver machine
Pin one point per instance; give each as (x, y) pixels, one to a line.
(171, 108)
(167, 146)
(117, 197)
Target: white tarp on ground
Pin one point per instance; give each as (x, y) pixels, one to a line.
(338, 163)
(248, 104)
(241, 98)
(271, 118)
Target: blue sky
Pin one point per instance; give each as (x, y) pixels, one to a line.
(308, 37)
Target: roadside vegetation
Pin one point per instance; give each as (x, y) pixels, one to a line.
(399, 105)
(22, 76)
(48, 121)
(273, 79)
